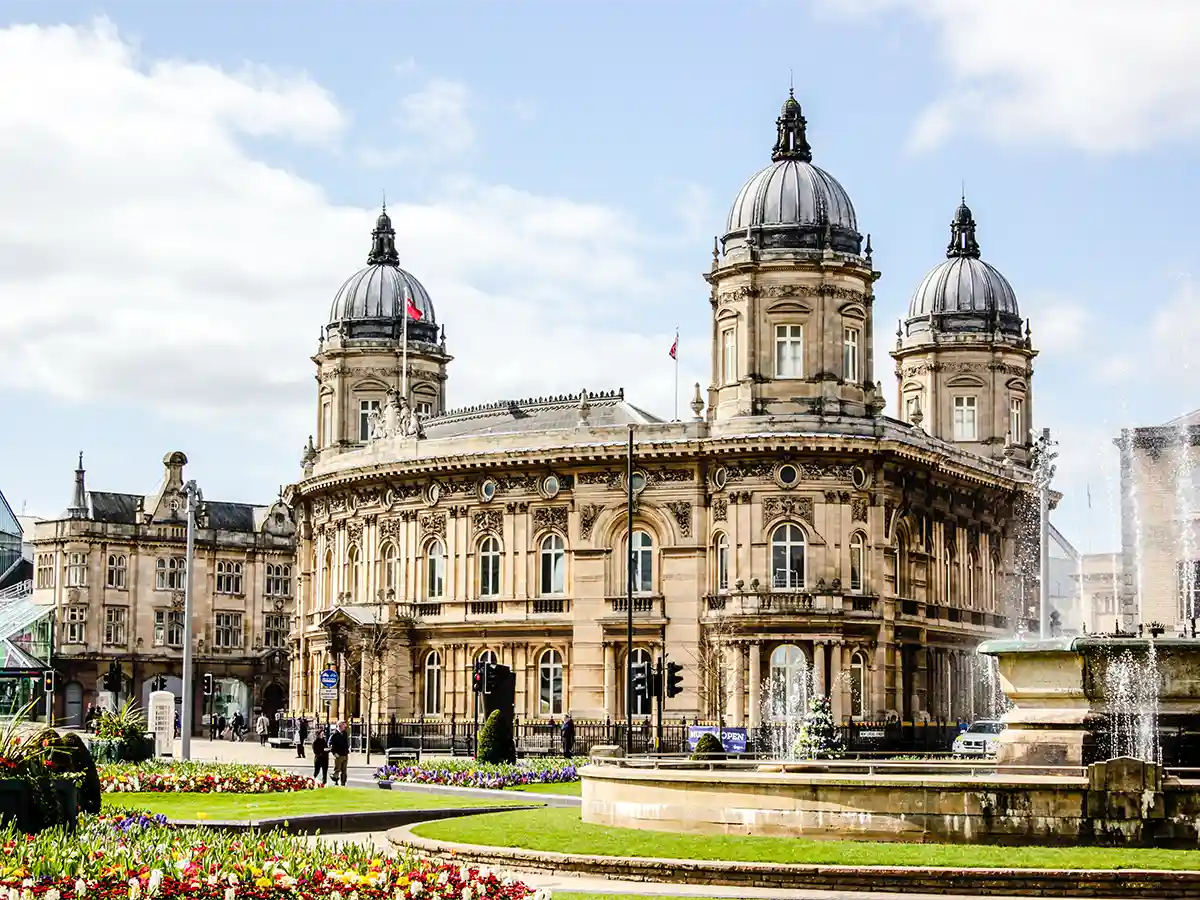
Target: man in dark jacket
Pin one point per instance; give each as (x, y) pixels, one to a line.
(320, 757)
(301, 735)
(339, 746)
(568, 736)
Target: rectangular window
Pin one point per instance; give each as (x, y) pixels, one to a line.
(168, 628)
(116, 576)
(965, 421)
(729, 356)
(424, 409)
(115, 618)
(279, 580)
(850, 354)
(74, 625)
(168, 573)
(1016, 422)
(365, 408)
(76, 570)
(326, 424)
(857, 552)
(489, 575)
(275, 630)
(45, 570)
(722, 565)
(789, 351)
(227, 635)
(435, 582)
(229, 577)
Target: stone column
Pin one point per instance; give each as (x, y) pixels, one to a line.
(737, 714)
(878, 703)
(755, 685)
(610, 682)
(920, 656)
(837, 685)
(818, 676)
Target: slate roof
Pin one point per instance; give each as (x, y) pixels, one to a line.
(121, 509)
(538, 414)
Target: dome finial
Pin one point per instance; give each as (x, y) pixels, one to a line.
(383, 241)
(962, 232)
(791, 141)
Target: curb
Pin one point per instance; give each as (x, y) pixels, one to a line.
(344, 823)
(1117, 884)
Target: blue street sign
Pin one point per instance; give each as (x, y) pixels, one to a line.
(329, 678)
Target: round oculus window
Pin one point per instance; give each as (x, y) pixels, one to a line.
(487, 489)
(434, 492)
(720, 478)
(860, 477)
(787, 475)
(639, 482)
(550, 486)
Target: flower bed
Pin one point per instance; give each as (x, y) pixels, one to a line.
(200, 778)
(101, 861)
(468, 773)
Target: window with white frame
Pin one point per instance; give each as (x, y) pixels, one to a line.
(1016, 421)
(858, 558)
(858, 685)
(424, 408)
(326, 424)
(642, 559)
(488, 656)
(279, 580)
(966, 424)
(787, 557)
(790, 682)
(550, 684)
(227, 633)
(365, 408)
(168, 628)
(275, 629)
(433, 684)
(729, 356)
(389, 564)
(721, 554)
(229, 577)
(553, 556)
(327, 580)
(76, 570)
(489, 567)
(435, 570)
(850, 339)
(45, 570)
(169, 572)
(789, 351)
(115, 620)
(353, 580)
(115, 574)
(75, 625)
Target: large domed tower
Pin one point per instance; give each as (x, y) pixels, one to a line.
(964, 359)
(361, 354)
(792, 294)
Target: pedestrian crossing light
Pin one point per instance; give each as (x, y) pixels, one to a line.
(48, 682)
(674, 679)
(641, 681)
(209, 684)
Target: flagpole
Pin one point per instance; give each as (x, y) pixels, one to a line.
(677, 374)
(404, 365)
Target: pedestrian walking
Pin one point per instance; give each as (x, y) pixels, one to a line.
(222, 724)
(321, 757)
(301, 735)
(339, 746)
(568, 736)
(261, 726)
(238, 725)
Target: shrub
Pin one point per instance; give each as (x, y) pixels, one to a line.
(819, 737)
(127, 726)
(70, 755)
(496, 740)
(709, 747)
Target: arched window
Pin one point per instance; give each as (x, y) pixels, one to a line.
(550, 684)
(972, 581)
(489, 567)
(721, 563)
(433, 684)
(116, 571)
(949, 581)
(642, 559)
(902, 583)
(858, 685)
(642, 706)
(488, 656)
(353, 574)
(435, 570)
(787, 557)
(389, 564)
(553, 565)
(789, 686)
(858, 559)
(327, 580)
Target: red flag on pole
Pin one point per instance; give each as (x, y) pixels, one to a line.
(411, 309)
(675, 347)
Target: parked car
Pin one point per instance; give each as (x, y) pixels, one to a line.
(981, 739)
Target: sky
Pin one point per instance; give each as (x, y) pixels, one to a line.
(184, 186)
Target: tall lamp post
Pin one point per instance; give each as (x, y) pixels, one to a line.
(194, 498)
(1043, 473)
(629, 601)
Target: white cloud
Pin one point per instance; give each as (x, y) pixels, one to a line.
(148, 258)
(1104, 76)
(1059, 324)
(437, 115)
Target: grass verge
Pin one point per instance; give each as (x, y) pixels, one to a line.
(236, 807)
(560, 829)
(568, 788)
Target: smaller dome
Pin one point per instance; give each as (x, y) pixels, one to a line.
(964, 293)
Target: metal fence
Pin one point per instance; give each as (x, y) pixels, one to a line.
(544, 738)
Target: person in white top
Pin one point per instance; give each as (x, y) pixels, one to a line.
(261, 726)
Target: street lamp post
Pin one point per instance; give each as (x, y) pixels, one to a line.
(194, 498)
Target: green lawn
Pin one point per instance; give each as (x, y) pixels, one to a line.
(560, 829)
(570, 788)
(229, 807)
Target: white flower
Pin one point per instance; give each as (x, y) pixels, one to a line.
(80, 887)
(416, 889)
(230, 893)
(52, 894)
(135, 889)
(466, 893)
(156, 877)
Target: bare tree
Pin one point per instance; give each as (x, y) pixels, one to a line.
(714, 674)
(375, 639)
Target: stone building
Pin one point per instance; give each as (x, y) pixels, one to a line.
(1099, 579)
(789, 537)
(112, 569)
(1160, 523)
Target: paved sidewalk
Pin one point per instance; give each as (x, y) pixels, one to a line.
(251, 752)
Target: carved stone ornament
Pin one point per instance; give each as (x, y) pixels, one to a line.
(330, 533)
(608, 477)
(787, 507)
(433, 523)
(337, 503)
(517, 483)
(858, 509)
(682, 511)
(318, 506)
(724, 298)
(808, 471)
(587, 519)
(354, 531)
(550, 517)
(720, 508)
(390, 529)
(366, 496)
(487, 520)
(670, 475)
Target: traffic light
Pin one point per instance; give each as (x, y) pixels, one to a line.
(209, 684)
(477, 678)
(674, 679)
(641, 680)
(48, 681)
(112, 680)
(489, 677)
